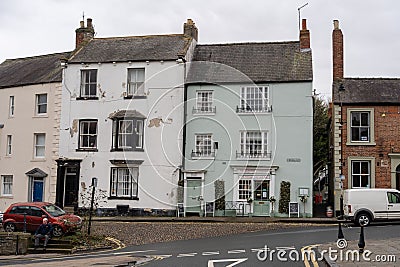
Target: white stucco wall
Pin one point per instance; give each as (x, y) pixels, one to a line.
(158, 174)
(22, 127)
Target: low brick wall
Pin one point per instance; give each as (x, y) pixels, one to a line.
(14, 243)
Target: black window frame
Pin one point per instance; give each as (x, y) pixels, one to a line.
(132, 195)
(116, 132)
(80, 148)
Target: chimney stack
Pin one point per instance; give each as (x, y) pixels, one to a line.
(84, 34)
(190, 29)
(337, 50)
(304, 36)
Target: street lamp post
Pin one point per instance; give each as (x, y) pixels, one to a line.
(94, 185)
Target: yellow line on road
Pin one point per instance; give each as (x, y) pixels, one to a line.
(312, 255)
(116, 241)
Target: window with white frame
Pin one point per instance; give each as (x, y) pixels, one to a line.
(41, 104)
(88, 134)
(204, 102)
(39, 145)
(360, 126)
(128, 134)
(361, 173)
(136, 80)
(244, 189)
(124, 182)
(254, 99)
(9, 145)
(11, 106)
(7, 185)
(203, 146)
(253, 144)
(88, 83)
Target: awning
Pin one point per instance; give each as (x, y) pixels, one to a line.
(126, 114)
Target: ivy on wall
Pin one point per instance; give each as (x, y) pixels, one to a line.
(284, 197)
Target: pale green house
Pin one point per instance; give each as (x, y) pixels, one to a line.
(248, 127)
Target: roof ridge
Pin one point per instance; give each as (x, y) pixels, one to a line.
(371, 78)
(38, 56)
(139, 36)
(249, 43)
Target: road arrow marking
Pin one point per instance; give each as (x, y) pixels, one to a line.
(237, 251)
(234, 262)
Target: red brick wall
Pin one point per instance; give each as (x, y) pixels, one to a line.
(387, 139)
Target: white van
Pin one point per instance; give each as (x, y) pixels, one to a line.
(366, 205)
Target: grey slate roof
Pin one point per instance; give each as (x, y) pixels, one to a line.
(367, 91)
(134, 48)
(261, 62)
(32, 70)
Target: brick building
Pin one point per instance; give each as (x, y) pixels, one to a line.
(365, 129)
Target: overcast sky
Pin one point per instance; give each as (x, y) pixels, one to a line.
(371, 28)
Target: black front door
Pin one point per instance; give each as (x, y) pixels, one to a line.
(68, 183)
(71, 186)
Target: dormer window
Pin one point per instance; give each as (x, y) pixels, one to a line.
(135, 85)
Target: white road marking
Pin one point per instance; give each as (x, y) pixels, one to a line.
(187, 255)
(257, 249)
(285, 248)
(237, 251)
(235, 262)
(208, 253)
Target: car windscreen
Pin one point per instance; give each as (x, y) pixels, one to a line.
(54, 210)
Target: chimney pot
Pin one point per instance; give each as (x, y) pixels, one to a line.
(304, 36)
(336, 24)
(89, 23)
(304, 24)
(82, 24)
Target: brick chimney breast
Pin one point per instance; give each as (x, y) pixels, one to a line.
(304, 36)
(337, 51)
(84, 34)
(190, 29)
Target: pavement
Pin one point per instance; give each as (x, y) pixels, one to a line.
(376, 252)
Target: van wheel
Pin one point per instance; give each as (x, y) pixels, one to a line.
(57, 231)
(9, 227)
(363, 219)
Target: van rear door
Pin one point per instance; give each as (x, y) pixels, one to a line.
(393, 205)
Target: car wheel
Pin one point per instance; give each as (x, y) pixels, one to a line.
(57, 231)
(363, 219)
(9, 227)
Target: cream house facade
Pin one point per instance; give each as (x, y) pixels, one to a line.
(30, 106)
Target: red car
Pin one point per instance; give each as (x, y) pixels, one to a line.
(34, 212)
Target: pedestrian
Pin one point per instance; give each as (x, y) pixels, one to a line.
(44, 230)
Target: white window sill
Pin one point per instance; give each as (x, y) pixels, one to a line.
(204, 157)
(204, 114)
(38, 160)
(40, 116)
(360, 143)
(7, 196)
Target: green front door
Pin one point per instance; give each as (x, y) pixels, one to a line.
(193, 196)
(261, 198)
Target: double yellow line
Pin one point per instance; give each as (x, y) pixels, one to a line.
(313, 259)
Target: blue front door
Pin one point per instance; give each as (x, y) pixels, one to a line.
(37, 194)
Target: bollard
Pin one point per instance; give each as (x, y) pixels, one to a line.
(340, 233)
(361, 242)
